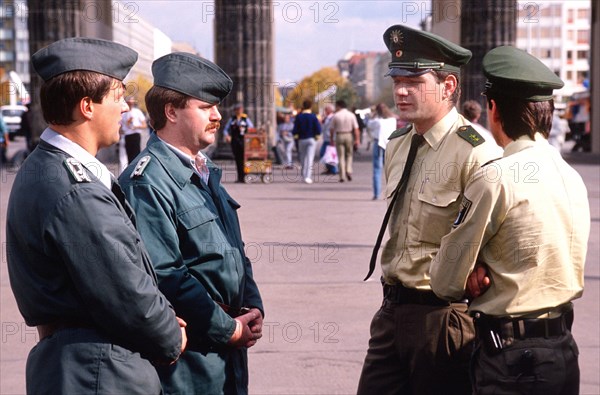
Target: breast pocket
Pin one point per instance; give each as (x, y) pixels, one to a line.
(195, 217)
(439, 208)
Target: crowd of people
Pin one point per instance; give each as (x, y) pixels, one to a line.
(140, 284)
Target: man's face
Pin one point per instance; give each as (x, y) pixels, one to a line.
(419, 98)
(107, 115)
(197, 124)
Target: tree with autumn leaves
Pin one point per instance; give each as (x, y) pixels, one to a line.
(319, 82)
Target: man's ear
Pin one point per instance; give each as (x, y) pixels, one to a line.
(170, 112)
(86, 108)
(450, 85)
(494, 110)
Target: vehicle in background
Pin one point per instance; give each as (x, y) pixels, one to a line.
(12, 118)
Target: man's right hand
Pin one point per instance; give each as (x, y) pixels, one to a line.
(182, 325)
(478, 281)
(243, 335)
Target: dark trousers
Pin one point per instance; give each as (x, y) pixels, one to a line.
(132, 146)
(546, 366)
(418, 349)
(237, 147)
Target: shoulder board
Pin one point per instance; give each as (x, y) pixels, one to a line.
(489, 162)
(140, 166)
(77, 170)
(401, 132)
(469, 134)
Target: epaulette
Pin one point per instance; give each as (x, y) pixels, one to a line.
(469, 134)
(77, 170)
(140, 166)
(401, 131)
(490, 162)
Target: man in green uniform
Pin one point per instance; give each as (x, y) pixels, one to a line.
(526, 217)
(190, 224)
(419, 343)
(77, 267)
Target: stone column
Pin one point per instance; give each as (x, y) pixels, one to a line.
(244, 49)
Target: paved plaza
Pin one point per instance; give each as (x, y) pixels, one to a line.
(310, 246)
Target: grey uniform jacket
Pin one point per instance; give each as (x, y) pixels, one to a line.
(74, 256)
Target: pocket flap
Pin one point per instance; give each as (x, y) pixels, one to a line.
(195, 217)
(439, 197)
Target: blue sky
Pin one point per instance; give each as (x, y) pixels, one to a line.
(309, 34)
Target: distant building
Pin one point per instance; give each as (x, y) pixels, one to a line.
(14, 39)
(366, 72)
(138, 34)
(559, 34)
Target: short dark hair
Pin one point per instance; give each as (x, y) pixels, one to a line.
(471, 110)
(156, 100)
(59, 95)
(341, 104)
(441, 76)
(519, 117)
(306, 104)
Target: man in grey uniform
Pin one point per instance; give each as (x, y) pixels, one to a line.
(526, 218)
(77, 266)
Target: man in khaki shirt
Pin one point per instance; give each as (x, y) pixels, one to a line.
(346, 135)
(526, 218)
(419, 343)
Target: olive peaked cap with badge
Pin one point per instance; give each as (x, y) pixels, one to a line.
(415, 52)
(512, 72)
(193, 76)
(84, 54)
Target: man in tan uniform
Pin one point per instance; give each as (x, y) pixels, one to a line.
(526, 217)
(419, 343)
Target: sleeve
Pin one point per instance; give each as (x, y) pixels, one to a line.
(103, 256)
(317, 126)
(208, 324)
(482, 210)
(226, 128)
(250, 124)
(252, 296)
(295, 130)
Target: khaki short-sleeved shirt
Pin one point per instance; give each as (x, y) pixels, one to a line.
(420, 218)
(527, 217)
(344, 121)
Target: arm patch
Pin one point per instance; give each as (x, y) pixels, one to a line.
(465, 206)
(470, 135)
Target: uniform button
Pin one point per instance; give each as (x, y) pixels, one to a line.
(409, 190)
(434, 199)
(403, 222)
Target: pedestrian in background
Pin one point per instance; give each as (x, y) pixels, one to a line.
(528, 232)
(472, 111)
(190, 224)
(307, 129)
(329, 112)
(382, 123)
(76, 264)
(133, 122)
(346, 134)
(286, 139)
(234, 132)
(421, 344)
(3, 141)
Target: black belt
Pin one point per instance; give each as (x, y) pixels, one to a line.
(399, 294)
(497, 333)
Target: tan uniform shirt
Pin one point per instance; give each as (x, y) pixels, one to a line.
(420, 218)
(528, 216)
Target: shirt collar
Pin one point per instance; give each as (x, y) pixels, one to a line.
(96, 167)
(522, 143)
(438, 131)
(185, 157)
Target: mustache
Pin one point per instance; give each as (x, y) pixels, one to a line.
(213, 125)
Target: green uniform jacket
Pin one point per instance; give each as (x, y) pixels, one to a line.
(74, 256)
(194, 238)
